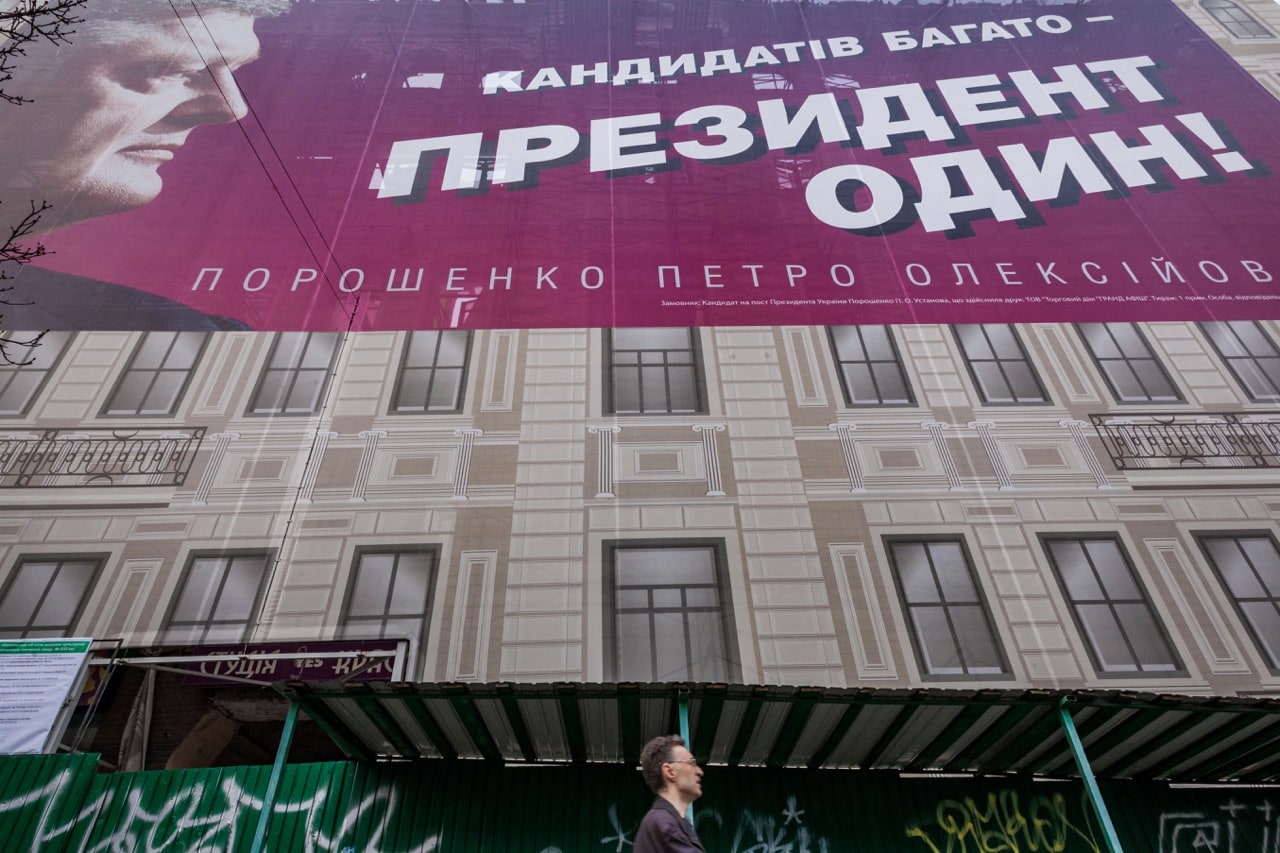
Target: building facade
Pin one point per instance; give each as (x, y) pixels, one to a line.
(1039, 505)
(996, 506)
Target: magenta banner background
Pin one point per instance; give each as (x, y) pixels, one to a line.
(290, 187)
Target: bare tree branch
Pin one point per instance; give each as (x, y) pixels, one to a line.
(51, 21)
(14, 251)
(19, 352)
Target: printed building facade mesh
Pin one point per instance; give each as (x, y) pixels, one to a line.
(845, 344)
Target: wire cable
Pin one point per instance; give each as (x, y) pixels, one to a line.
(263, 164)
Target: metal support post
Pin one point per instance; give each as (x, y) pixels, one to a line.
(273, 784)
(1090, 783)
(682, 703)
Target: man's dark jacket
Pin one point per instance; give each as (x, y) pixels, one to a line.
(664, 831)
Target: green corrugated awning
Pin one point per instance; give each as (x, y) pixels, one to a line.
(988, 732)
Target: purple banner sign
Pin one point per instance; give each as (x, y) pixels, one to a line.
(565, 163)
(231, 662)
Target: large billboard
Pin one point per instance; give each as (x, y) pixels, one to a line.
(347, 164)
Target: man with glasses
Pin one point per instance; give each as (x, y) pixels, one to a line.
(671, 772)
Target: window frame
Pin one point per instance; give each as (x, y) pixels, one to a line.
(416, 644)
(464, 372)
(997, 641)
(1045, 399)
(167, 626)
(1271, 661)
(60, 558)
(1102, 364)
(178, 397)
(699, 376)
(897, 362)
(724, 601)
(9, 372)
(1233, 23)
(1179, 667)
(1230, 361)
(295, 370)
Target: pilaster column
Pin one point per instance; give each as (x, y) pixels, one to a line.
(319, 444)
(220, 442)
(711, 456)
(462, 471)
(1076, 428)
(604, 455)
(993, 453)
(365, 467)
(845, 433)
(935, 429)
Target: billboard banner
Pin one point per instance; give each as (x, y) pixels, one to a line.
(347, 164)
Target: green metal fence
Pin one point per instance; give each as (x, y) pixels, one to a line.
(59, 803)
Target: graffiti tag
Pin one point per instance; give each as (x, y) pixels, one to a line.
(197, 817)
(1004, 823)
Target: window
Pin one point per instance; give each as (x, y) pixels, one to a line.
(948, 617)
(389, 596)
(44, 596)
(1250, 355)
(770, 81)
(21, 383)
(794, 173)
(1132, 371)
(871, 372)
(1239, 23)
(653, 371)
(217, 598)
(432, 372)
(296, 375)
(841, 80)
(669, 620)
(1249, 567)
(1110, 607)
(157, 375)
(999, 364)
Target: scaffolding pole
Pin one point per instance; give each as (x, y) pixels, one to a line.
(273, 784)
(682, 704)
(1090, 783)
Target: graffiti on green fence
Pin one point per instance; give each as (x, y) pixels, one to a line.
(782, 833)
(1232, 827)
(753, 832)
(215, 815)
(1007, 822)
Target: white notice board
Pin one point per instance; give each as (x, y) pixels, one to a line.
(39, 683)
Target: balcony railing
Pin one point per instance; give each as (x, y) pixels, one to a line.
(143, 456)
(1159, 440)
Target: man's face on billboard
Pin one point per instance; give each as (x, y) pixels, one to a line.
(116, 109)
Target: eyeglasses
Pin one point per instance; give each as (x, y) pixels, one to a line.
(692, 762)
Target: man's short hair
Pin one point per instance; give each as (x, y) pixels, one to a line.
(656, 753)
